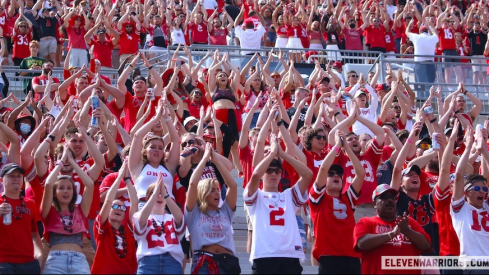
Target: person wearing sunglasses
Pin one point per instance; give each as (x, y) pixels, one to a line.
(21, 38)
(63, 220)
(277, 245)
(376, 32)
(469, 206)
(116, 246)
(332, 207)
(388, 234)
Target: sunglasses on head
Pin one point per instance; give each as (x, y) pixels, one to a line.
(119, 207)
(425, 146)
(188, 142)
(274, 170)
(333, 173)
(479, 188)
(319, 137)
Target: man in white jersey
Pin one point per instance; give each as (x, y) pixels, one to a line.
(470, 213)
(277, 245)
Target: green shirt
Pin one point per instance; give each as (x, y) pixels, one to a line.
(26, 64)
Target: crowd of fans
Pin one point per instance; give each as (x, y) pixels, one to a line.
(136, 178)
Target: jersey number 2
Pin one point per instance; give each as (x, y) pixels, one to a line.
(275, 217)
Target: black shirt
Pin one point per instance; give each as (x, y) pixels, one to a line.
(477, 42)
(47, 26)
(232, 10)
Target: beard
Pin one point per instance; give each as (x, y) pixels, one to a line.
(46, 71)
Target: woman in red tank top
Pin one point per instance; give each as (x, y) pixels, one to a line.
(278, 24)
(294, 30)
(314, 32)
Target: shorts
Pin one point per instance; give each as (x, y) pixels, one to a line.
(281, 42)
(276, 265)
(302, 231)
(450, 60)
(47, 45)
(231, 118)
(339, 265)
(10, 44)
(481, 62)
(66, 262)
(248, 219)
(186, 247)
(31, 267)
(296, 43)
(271, 37)
(364, 210)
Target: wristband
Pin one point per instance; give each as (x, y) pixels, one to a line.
(433, 120)
(130, 65)
(167, 196)
(47, 140)
(457, 111)
(336, 149)
(127, 178)
(52, 137)
(337, 113)
(281, 122)
(167, 119)
(465, 92)
(150, 67)
(409, 140)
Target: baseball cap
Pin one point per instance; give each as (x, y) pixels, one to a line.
(249, 23)
(359, 92)
(423, 29)
(383, 86)
(425, 140)
(9, 168)
(101, 31)
(414, 168)
(381, 189)
(337, 168)
(188, 119)
(338, 64)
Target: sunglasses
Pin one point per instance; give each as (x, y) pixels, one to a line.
(274, 170)
(78, 19)
(178, 10)
(119, 207)
(424, 146)
(396, 107)
(354, 76)
(319, 137)
(188, 142)
(484, 189)
(128, 26)
(332, 174)
(275, 76)
(197, 93)
(22, 26)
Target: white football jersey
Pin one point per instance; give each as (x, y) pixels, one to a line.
(149, 243)
(472, 227)
(275, 229)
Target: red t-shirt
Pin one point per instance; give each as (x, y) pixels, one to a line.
(218, 36)
(3, 24)
(398, 246)
(129, 42)
(103, 52)
(131, 108)
(199, 32)
(106, 260)
(337, 215)
(21, 45)
(16, 246)
(447, 38)
(375, 36)
(43, 80)
(449, 243)
(370, 161)
(314, 162)
(76, 38)
(294, 32)
(246, 161)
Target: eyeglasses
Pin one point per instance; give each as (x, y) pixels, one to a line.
(333, 173)
(119, 207)
(376, 21)
(354, 76)
(22, 26)
(178, 10)
(424, 146)
(484, 189)
(274, 170)
(188, 142)
(319, 137)
(128, 26)
(409, 18)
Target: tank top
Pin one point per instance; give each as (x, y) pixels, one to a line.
(294, 31)
(223, 94)
(177, 37)
(314, 35)
(148, 175)
(282, 30)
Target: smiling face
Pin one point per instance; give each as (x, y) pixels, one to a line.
(318, 142)
(411, 182)
(222, 78)
(76, 142)
(13, 181)
(386, 205)
(64, 190)
(139, 87)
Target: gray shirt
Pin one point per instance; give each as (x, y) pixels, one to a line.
(213, 227)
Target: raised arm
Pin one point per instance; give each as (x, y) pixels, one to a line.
(458, 186)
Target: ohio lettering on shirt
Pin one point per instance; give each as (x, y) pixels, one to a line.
(215, 223)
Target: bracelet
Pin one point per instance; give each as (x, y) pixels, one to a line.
(52, 137)
(337, 113)
(409, 140)
(127, 178)
(465, 92)
(167, 119)
(150, 67)
(130, 65)
(433, 120)
(167, 196)
(457, 111)
(336, 149)
(47, 140)
(281, 122)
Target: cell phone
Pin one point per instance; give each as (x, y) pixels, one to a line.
(192, 150)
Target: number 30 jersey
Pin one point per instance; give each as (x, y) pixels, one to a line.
(334, 214)
(275, 229)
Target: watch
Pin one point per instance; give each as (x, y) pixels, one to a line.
(281, 122)
(433, 120)
(457, 111)
(51, 137)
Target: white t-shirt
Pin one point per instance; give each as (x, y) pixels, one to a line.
(369, 113)
(275, 230)
(149, 243)
(472, 227)
(249, 38)
(424, 44)
(209, 4)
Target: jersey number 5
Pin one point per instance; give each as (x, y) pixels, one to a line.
(275, 217)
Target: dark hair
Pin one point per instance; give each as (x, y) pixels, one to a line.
(71, 205)
(389, 124)
(70, 131)
(309, 135)
(403, 134)
(473, 178)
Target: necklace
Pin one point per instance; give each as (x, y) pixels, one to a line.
(22, 207)
(67, 227)
(159, 229)
(120, 232)
(272, 199)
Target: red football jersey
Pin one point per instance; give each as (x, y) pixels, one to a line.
(21, 45)
(375, 36)
(199, 32)
(449, 244)
(295, 32)
(447, 39)
(129, 43)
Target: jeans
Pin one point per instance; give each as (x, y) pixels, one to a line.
(425, 72)
(302, 230)
(32, 267)
(92, 237)
(66, 262)
(159, 264)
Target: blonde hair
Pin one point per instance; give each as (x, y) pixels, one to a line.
(203, 190)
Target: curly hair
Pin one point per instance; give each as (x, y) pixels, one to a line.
(309, 135)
